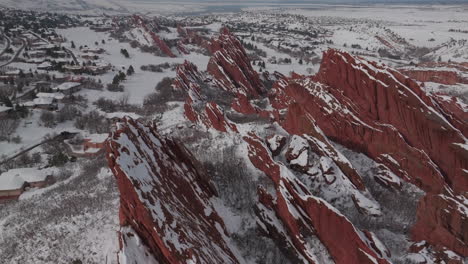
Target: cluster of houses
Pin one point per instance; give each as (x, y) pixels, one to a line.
(15, 182)
(43, 96)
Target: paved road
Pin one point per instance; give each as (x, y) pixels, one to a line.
(16, 54)
(60, 137)
(8, 40)
(73, 56)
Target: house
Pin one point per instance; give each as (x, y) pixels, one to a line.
(90, 146)
(50, 47)
(94, 141)
(73, 68)
(93, 50)
(89, 56)
(45, 66)
(36, 53)
(46, 103)
(68, 88)
(117, 116)
(57, 96)
(43, 86)
(36, 61)
(16, 181)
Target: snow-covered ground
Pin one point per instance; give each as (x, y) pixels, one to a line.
(138, 85)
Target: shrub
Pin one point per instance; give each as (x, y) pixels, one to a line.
(17, 139)
(68, 112)
(115, 87)
(58, 159)
(47, 119)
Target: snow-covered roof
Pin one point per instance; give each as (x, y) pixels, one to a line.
(36, 60)
(15, 178)
(43, 101)
(49, 46)
(67, 86)
(44, 65)
(121, 115)
(97, 138)
(58, 96)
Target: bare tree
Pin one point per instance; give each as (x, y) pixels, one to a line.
(47, 119)
(7, 127)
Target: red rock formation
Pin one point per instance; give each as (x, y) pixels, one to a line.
(158, 42)
(275, 144)
(165, 197)
(356, 105)
(242, 105)
(231, 68)
(298, 122)
(437, 76)
(190, 36)
(302, 215)
(188, 79)
(454, 110)
(442, 220)
(181, 48)
(380, 112)
(216, 119)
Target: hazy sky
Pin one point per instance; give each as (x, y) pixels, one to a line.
(320, 1)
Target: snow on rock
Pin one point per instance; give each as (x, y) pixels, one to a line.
(378, 111)
(386, 177)
(454, 110)
(298, 122)
(352, 107)
(156, 40)
(299, 215)
(132, 249)
(276, 143)
(188, 79)
(437, 76)
(215, 118)
(164, 195)
(190, 36)
(296, 154)
(441, 221)
(371, 90)
(231, 68)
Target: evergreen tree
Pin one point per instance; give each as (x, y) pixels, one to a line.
(130, 70)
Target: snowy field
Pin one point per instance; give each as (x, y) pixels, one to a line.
(142, 82)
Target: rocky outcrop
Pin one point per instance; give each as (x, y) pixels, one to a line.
(216, 119)
(165, 197)
(454, 110)
(442, 220)
(354, 102)
(231, 68)
(276, 143)
(188, 79)
(303, 215)
(437, 76)
(190, 36)
(378, 111)
(158, 42)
